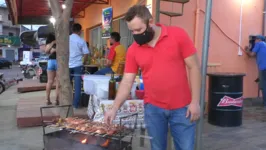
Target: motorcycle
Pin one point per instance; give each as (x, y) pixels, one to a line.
(6, 83)
(28, 71)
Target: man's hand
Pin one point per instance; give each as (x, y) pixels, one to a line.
(52, 50)
(193, 111)
(121, 96)
(247, 48)
(85, 59)
(110, 116)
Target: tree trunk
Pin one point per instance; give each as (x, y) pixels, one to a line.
(62, 51)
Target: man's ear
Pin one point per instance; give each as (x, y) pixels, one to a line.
(151, 21)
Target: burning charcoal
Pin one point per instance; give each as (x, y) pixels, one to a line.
(106, 143)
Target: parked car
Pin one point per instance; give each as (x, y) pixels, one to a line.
(5, 63)
(2, 85)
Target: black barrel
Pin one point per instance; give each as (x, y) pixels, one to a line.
(225, 99)
(43, 77)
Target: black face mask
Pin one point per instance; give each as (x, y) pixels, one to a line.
(144, 37)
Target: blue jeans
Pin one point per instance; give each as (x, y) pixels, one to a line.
(76, 73)
(263, 82)
(157, 121)
(104, 71)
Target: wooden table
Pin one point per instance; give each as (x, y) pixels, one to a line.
(91, 69)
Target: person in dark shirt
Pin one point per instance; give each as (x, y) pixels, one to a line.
(51, 68)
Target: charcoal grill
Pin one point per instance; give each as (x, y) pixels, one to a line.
(70, 139)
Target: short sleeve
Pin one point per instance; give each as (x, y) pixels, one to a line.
(186, 45)
(131, 64)
(256, 48)
(111, 54)
(85, 49)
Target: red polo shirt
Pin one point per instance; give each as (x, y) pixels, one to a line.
(163, 68)
(111, 54)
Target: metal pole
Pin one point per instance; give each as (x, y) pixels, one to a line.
(264, 19)
(204, 60)
(157, 18)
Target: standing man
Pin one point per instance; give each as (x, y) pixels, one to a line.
(77, 49)
(259, 51)
(116, 55)
(162, 53)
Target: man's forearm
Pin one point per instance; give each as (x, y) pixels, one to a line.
(122, 94)
(85, 58)
(195, 81)
(108, 63)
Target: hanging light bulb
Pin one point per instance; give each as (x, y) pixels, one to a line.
(52, 20)
(64, 6)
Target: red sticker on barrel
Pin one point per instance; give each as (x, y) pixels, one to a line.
(228, 101)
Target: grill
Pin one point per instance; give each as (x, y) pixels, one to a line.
(62, 138)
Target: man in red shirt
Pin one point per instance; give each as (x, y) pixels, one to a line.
(163, 54)
(116, 55)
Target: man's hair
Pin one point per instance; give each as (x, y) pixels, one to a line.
(260, 37)
(140, 11)
(116, 36)
(76, 27)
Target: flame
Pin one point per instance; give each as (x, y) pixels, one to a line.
(106, 143)
(84, 141)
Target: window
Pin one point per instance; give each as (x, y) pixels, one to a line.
(96, 39)
(126, 34)
(10, 34)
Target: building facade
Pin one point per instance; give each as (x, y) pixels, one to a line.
(232, 23)
(9, 36)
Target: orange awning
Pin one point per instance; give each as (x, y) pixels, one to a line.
(39, 12)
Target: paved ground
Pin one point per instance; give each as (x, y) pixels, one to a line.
(250, 136)
(11, 73)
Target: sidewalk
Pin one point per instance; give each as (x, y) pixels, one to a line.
(250, 136)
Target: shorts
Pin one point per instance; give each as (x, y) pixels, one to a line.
(52, 65)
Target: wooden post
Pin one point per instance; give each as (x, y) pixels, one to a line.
(62, 17)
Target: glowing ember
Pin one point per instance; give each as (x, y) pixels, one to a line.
(84, 141)
(106, 143)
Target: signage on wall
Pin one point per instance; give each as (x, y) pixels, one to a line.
(9, 40)
(229, 101)
(27, 56)
(107, 18)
